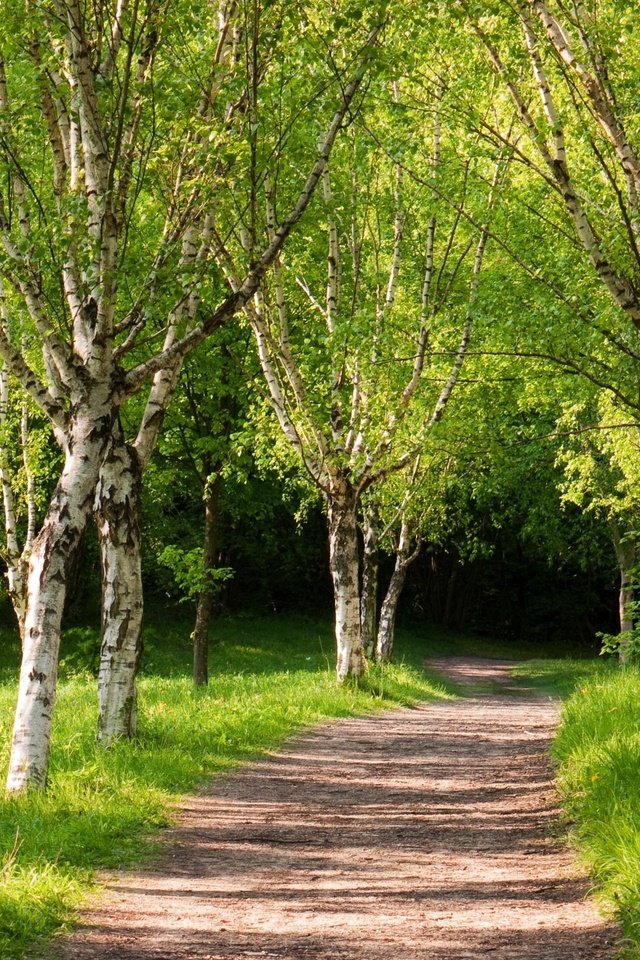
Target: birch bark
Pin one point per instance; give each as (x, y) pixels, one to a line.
(370, 570)
(345, 569)
(64, 523)
(405, 556)
(117, 503)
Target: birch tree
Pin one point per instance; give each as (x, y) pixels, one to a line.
(91, 284)
(409, 538)
(576, 135)
(240, 55)
(348, 359)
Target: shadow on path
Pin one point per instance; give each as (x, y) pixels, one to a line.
(420, 833)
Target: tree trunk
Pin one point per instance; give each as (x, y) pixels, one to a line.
(370, 568)
(117, 510)
(626, 555)
(386, 629)
(14, 556)
(66, 518)
(452, 583)
(344, 563)
(204, 609)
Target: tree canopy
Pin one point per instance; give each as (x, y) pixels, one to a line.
(263, 262)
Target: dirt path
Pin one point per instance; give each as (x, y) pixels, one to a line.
(419, 833)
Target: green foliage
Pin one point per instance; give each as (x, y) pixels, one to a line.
(626, 643)
(600, 459)
(189, 573)
(267, 679)
(612, 643)
(598, 755)
(494, 487)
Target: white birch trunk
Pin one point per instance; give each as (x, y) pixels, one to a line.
(344, 563)
(117, 510)
(369, 597)
(389, 610)
(31, 484)
(66, 519)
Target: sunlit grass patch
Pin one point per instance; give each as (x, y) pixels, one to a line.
(559, 677)
(598, 755)
(102, 808)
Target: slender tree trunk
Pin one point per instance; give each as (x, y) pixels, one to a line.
(370, 569)
(15, 557)
(625, 599)
(65, 521)
(386, 629)
(344, 563)
(452, 583)
(204, 609)
(116, 511)
(626, 555)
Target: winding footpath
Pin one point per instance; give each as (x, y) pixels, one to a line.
(419, 833)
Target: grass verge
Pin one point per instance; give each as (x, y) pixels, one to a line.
(597, 752)
(559, 678)
(102, 807)
(597, 758)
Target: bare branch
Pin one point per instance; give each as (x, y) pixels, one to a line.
(237, 300)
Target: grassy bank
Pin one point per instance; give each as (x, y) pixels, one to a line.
(102, 807)
(597, 752)
(561, 677)
(597, 758)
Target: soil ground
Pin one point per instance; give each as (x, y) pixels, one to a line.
(419, 833)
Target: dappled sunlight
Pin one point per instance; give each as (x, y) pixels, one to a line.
(419, 833)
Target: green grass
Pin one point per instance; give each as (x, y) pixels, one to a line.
(597, 751)
(559, 678)
(103, 807)
(269, 677)
(596, 755)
